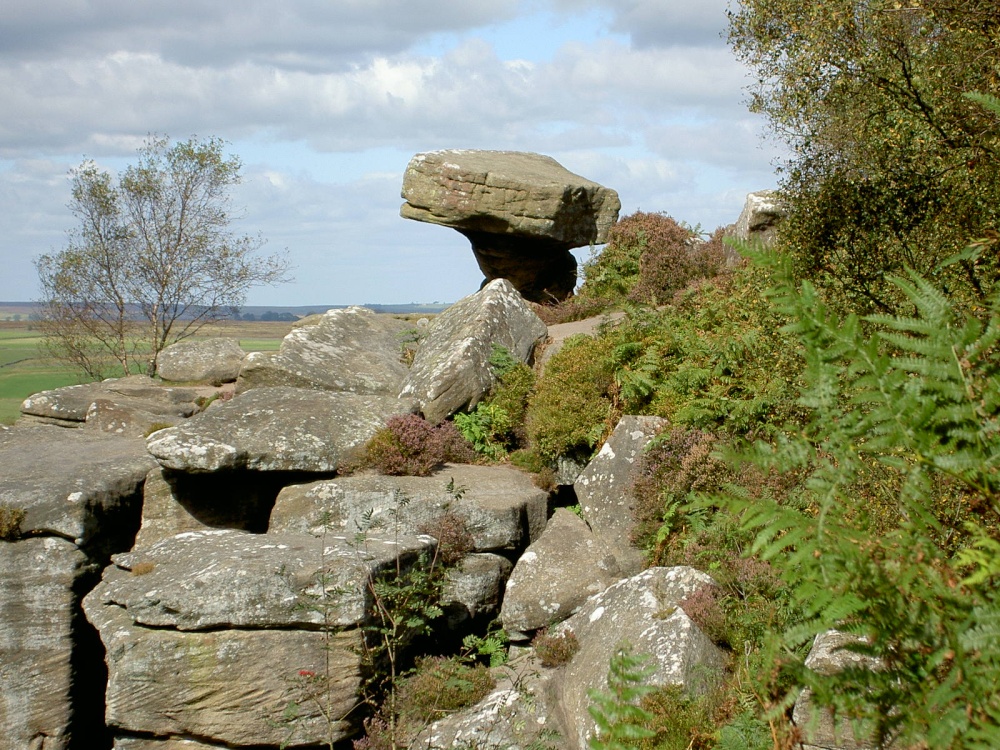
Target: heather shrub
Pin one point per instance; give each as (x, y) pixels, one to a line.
(555, 649)
(705, 611)
(648, 257)
(674, 465)
(674, 263)
(410, 445)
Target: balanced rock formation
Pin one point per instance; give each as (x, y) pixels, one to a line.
(522, 212)
(214, 361)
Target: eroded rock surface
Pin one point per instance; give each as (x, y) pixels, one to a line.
(603, 488)
(522, 212)
(352, 350)
(214, 361)
(275, 429)
(555, 575)
(451, 370)
(644, 612)
(499, 505)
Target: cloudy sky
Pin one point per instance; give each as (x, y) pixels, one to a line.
(325, 101)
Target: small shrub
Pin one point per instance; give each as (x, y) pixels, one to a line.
(705, 611)
(455, 540)
(440, 686)
(671, 265)
(555, 649)
(10, 521)
(572, 407)
(678, 721)
(410, 445)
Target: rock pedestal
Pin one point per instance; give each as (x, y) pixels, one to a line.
(522, 212)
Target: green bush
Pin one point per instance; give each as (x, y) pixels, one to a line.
(440, 686)
(572, 406)
(894, 538)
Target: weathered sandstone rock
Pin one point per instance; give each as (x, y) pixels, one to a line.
(72, 484)
(226, 687)
(37, 633)
(555, 575)
(69, 406)
(80, 493)
(603, 487)
(451, 370)
(501, 508)
(522, 212)
(214, 361)
(642, 611)
(275, 429)
(821, 730)
(351, 350)
(232, 579)
(762, 214)
(175, 502)
(514, 715)
(474, 587)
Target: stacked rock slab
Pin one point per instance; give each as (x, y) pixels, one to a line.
(214, 361)
(352, 350)
(522, 212)
(210, 634)
(80, 494)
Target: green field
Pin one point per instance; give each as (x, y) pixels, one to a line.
(25, 368)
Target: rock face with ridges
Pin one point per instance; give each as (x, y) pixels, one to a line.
(555, 575)
(603, 487)
(209, 633)
(80, 494)
(451, 370)
(213, 361)
(352, 350)
(275, 429)
(500, 506)
(522, 212)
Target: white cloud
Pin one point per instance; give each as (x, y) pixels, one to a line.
(327, 100)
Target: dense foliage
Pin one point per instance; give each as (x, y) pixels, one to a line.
(892, 166)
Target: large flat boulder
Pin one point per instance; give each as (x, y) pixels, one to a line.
(604, 488)
(212, 634)
(499, 505)
(276, 429)
(451, 370)
(232, 579)
(227, 687)
(71, 483)
(214, 361)
(522, 212)
(352, 350)
(70, 405)
(556, 575)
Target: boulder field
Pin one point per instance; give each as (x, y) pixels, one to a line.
(173, 590)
